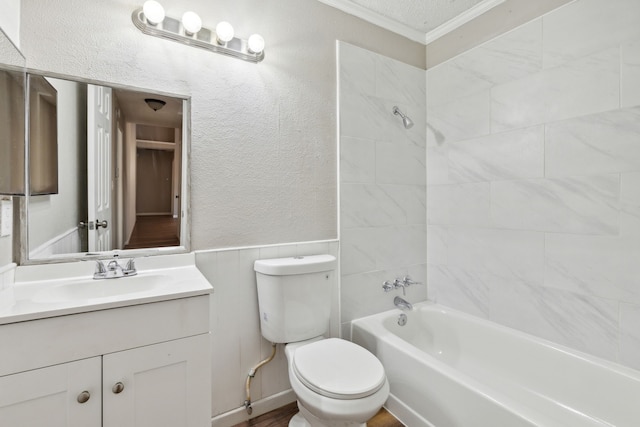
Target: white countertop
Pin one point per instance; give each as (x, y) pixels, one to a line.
(34, 294)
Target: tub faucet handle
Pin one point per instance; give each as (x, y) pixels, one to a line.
(387, 286)
(408, 281)
(400, 284)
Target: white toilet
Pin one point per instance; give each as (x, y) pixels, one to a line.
(337, 382)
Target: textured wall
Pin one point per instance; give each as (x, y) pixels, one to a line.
(263, 136)
(10, 20)
(533, 189)
(382, 180)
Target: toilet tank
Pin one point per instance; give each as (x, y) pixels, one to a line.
(294, 296)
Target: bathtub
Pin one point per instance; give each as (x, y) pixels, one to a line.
(450, 369)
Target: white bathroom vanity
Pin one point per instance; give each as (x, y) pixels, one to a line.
(113, 352)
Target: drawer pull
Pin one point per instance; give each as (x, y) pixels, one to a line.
(117, 388)
(84, 397)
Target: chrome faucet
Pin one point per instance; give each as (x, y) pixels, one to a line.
(113, 269)
(402, 304)
(388, 286)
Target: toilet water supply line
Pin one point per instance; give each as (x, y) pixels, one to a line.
(252, 373)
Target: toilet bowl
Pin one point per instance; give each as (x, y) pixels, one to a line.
(337, 383)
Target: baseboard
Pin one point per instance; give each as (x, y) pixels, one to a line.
(260, 407)
(404, 414)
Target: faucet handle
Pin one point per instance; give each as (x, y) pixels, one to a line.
(101, 270)
(130, 268)
(408, 281)
(100, 267)
(387, 286)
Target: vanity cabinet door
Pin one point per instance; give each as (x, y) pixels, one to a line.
(66, 395)
(163, 384)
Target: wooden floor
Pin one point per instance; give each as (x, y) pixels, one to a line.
(154, 232)
(281, 416)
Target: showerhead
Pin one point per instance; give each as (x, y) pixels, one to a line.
(406, 121)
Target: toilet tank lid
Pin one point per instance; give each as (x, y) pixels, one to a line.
(295, 265)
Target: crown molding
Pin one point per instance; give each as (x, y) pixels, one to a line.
(406, 31)
(377, 19)
(461, 19)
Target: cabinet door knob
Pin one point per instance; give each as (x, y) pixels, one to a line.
(117, 388)
(84, 397)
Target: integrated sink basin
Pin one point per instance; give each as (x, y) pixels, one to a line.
(92, 289)
(48, 290)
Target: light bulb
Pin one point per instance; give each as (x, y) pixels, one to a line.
(255, 43)
(191, 22)
(224, 32)
(153, 12)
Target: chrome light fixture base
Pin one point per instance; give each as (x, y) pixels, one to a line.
(172, 29)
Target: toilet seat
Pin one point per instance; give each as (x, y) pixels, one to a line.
(338, 369)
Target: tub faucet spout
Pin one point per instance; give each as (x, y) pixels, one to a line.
(402, 304)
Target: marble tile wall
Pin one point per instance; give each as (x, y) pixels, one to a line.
(382, 181)
(533, 179)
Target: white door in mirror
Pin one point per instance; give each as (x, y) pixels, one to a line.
(98, 176)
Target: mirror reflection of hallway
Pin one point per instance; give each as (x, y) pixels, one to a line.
(102, 132)
(157, 188)
(154, 231)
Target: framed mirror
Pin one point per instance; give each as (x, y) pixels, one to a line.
(122, 162)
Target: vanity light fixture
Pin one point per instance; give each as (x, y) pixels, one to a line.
(153, 12)
(255, 43)
(224, 33)
(151, 20)
(191, 23)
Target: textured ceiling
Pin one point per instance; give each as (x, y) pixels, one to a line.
(421, 15)
(136, 110)
(419, 20)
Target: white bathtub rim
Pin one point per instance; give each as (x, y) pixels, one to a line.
(430, 305)
(464, 380)
(505, 402)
